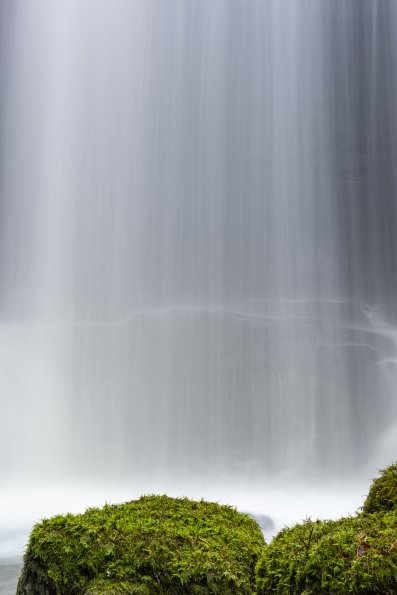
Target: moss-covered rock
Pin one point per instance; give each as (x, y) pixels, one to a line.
(351, 555)
(152, 545)
(382, 494)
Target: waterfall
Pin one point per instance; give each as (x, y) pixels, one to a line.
(198, 240)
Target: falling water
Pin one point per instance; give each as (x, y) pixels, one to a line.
(198, 232)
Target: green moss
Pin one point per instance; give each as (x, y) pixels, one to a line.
(351, 555)
(382, 495)
(153, 545)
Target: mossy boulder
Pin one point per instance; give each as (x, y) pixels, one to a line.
(357, 554)
(153, 545)
(350, 555)
(382, 494)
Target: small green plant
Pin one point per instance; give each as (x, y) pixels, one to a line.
(152, 545)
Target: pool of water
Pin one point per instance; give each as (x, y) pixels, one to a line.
(9, 572)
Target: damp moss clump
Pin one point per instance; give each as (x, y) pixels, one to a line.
(382, 494)
(152, 545)
(357, 554)
(350, 555)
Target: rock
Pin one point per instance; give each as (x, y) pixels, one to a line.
(382, 494)
(350, 555)
(357, 554)
(153, 545)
